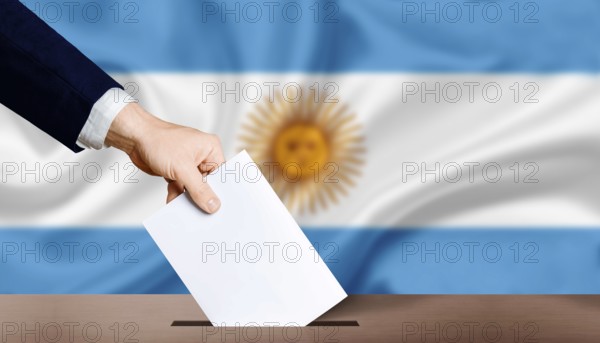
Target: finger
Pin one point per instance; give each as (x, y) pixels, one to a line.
(214, 159)
(216, 155)
(174, 189)
(208, 167)
(199, 190)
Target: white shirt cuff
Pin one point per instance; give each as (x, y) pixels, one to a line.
(102, 115)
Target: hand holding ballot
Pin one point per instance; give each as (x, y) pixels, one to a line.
(179, 154)
(54, 86)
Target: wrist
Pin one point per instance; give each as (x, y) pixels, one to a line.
(129, 127)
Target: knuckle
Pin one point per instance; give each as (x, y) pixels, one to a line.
(216, 139)
(178, 174)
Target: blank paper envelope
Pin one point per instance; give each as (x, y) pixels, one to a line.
(249, 263)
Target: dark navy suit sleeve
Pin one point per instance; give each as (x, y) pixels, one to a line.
(44, 78)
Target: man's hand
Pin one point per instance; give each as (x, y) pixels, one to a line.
(179, 154)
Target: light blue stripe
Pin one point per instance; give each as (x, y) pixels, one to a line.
(532, 261)
(374, 35)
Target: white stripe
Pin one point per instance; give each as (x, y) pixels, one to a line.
(559, 134)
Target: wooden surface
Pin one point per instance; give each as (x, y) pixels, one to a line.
(381, 318)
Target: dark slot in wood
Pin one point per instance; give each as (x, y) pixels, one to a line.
(315, 323)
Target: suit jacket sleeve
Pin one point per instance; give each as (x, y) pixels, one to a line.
(44, 78)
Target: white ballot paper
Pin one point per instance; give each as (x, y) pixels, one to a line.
(249, 263)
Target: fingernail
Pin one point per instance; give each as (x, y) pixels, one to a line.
(213, 205)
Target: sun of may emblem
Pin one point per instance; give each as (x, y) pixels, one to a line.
(307, 145)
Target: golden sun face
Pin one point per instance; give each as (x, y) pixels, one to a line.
(310, 151)
(302, 144)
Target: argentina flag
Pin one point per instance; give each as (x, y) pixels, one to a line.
(430, 146)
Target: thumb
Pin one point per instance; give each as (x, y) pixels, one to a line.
(199, 190)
